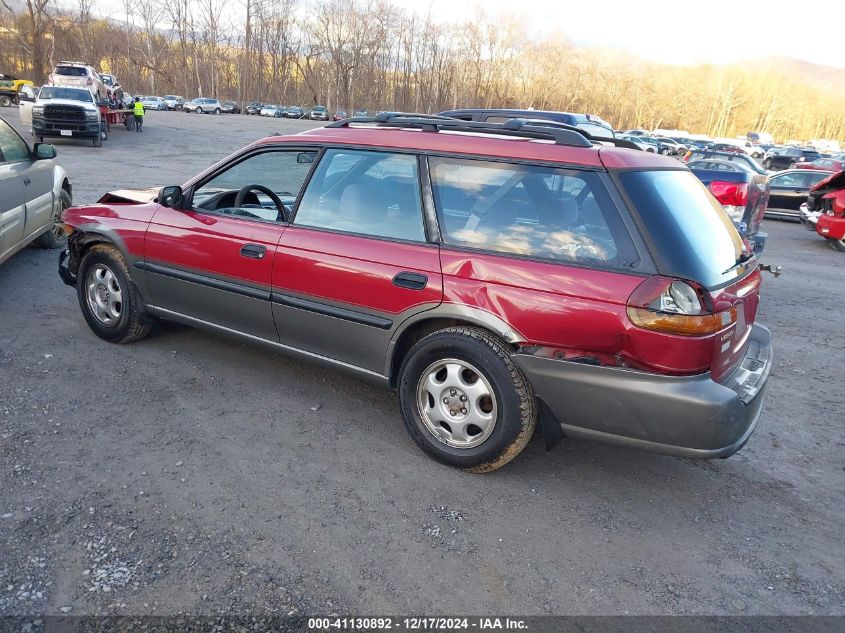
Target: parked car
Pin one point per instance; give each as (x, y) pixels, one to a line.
(34, 190)
(319, 113)
(110, 82)
(361, 112)
(826, 164)
(742, 192)
(779, 158)
(727, 147)
(675, 148)
(656, 144)
(639, 142)
(827, 197)
(789, 190)
(230, 107)
(80, 75)
(203, 105)
(64, 111)
(294, 112)
(531, 298)
(254, 107)
(174, 102)
(271, 110)
(154, 103)
(590, 123)
(339, 115)
(732, 157)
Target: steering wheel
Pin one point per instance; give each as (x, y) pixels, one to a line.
(239, 199)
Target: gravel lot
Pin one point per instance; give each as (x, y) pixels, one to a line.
(194, 474)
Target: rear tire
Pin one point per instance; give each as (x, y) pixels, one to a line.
(103, 279)
(474, 371)
(216, 110)
(837, 245)
(767, 164)
(55, 237)
(5, 101)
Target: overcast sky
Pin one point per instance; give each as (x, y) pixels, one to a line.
(679, 31)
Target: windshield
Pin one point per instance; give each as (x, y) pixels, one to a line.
(58, 92)
(692, 235)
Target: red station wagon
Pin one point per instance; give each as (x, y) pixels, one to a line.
(493, 274)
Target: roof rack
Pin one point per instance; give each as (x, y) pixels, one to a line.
(560, 133)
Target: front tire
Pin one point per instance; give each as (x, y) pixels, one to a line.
(837, 245)
(108, 297)
(216, 110)
(464, 401)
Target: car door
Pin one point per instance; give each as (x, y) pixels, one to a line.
(356, 262)
(13, 165)
(788, 190)
(212, 261)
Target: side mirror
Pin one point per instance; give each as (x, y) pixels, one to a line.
(44, 151)
(170, 196)
(26, 94)
(305, 158)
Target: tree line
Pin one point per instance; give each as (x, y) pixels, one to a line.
(373, 54)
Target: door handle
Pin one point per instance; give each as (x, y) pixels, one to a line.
(26, 181)
(253, 251)
(411, 281)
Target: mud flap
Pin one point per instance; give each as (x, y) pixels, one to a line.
(550, 425)
(64, 271)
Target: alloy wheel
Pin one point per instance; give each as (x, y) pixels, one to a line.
(457, 403)
(105, 297)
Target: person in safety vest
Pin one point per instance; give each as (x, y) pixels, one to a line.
(138, 110)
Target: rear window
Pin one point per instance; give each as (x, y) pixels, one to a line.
(693, 236)
(71, 71)
(563, 215)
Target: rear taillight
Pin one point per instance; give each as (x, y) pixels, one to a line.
(733, 197)
(90, 82)
(732, 194)
(678, 307)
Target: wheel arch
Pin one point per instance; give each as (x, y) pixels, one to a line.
(419, 326)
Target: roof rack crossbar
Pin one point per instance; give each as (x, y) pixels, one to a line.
(560, 133)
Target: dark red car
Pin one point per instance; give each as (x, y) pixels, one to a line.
(493, 274)
(826, 164)
(828, 198)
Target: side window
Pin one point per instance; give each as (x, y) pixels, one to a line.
(277, 172)
(12, 147)
(558, 214)
(370, 193)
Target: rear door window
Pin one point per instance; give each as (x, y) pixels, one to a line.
(563, 215)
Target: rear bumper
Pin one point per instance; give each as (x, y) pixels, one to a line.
(830, 226)
(688, 416)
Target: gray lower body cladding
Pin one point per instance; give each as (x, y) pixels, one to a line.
(689, 416)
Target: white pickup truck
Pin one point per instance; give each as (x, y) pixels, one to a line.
(62, 111)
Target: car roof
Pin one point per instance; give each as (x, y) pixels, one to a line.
(478, 144)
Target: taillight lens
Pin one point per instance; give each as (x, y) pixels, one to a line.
(677, 307)
(732, 194)
(90, 82)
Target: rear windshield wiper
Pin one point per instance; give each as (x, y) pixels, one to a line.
(744, 257)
